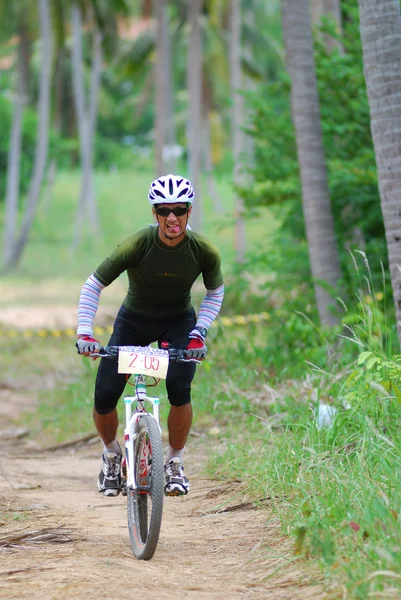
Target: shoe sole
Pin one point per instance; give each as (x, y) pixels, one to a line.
(176, 492)
(110, 492)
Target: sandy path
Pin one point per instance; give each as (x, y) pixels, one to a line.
(200, 554)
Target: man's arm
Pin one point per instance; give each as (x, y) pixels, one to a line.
(88, 305)
(209, 309)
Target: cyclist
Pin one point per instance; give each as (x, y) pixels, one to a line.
(162, 263)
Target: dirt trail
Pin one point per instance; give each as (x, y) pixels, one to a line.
(202, 553)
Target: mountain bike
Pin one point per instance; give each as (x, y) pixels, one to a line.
(142, 472)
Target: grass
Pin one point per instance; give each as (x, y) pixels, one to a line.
(337, 492)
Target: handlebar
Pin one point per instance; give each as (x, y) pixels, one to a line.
(177, 354)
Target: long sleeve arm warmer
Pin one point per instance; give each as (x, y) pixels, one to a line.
(88, 305)
(210, 307)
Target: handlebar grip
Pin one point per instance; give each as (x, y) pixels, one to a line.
(109, 351)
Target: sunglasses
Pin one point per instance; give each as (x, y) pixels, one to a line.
(178, 211)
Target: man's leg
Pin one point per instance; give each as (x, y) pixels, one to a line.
(109, 387)
(179, 424)
(106, 426)
(178, 385)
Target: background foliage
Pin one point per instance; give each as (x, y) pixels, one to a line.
(349, 151)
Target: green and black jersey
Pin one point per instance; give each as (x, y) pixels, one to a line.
(160, 277)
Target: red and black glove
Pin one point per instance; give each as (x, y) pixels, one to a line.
(196, 348)
(86, 345)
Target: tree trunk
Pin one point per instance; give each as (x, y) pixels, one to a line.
(42, 135)
(50, 181)
(86, 119)
(250, 20)
(325, 264)
(58, 93)
(161, 80)
(171, 158)
(194, 78)
(13, 164)
(208, 167)
(328, 8)
(81, 116)
(26, 53)
(238, 137)
(380, 26)
(96, 72)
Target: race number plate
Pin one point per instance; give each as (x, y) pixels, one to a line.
(145, 361)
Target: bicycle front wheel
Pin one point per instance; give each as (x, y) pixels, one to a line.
(145, 504)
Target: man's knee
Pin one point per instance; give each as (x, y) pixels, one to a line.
(178, 383)
(179, 393)
(105, 400)
(103, 410)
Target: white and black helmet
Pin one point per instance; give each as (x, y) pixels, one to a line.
(171, 188)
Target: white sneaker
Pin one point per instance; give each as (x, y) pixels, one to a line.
(176, 482)
(109, 480)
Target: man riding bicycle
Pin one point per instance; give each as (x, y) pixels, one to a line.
(162, 263)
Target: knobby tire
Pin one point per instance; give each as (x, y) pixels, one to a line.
(145, 509)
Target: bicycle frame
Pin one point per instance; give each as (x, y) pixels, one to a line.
(131, 422)
(132, 418)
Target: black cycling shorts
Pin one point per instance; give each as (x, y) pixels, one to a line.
(131, 329)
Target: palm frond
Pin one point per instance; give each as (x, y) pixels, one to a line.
(36, 537)
(138, 55)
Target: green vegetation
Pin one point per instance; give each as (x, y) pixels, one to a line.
(349, 151)
(336, 489)
(123, 210)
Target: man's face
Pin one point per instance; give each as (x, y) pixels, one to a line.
(172, 227)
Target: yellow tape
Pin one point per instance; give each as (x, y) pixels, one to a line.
(70, 332)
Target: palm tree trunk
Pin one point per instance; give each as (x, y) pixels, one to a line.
(250, 86)
(48, 191)
(238, 137)
(208, 166)
(26, 53)
(86, 119)
(13, 164)
(194, 78)
(58, 93)
(42, 136)
(161, 80)
(97, 59)
(171, 158)
(81, 116)
(325, 264)
(380, 26)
